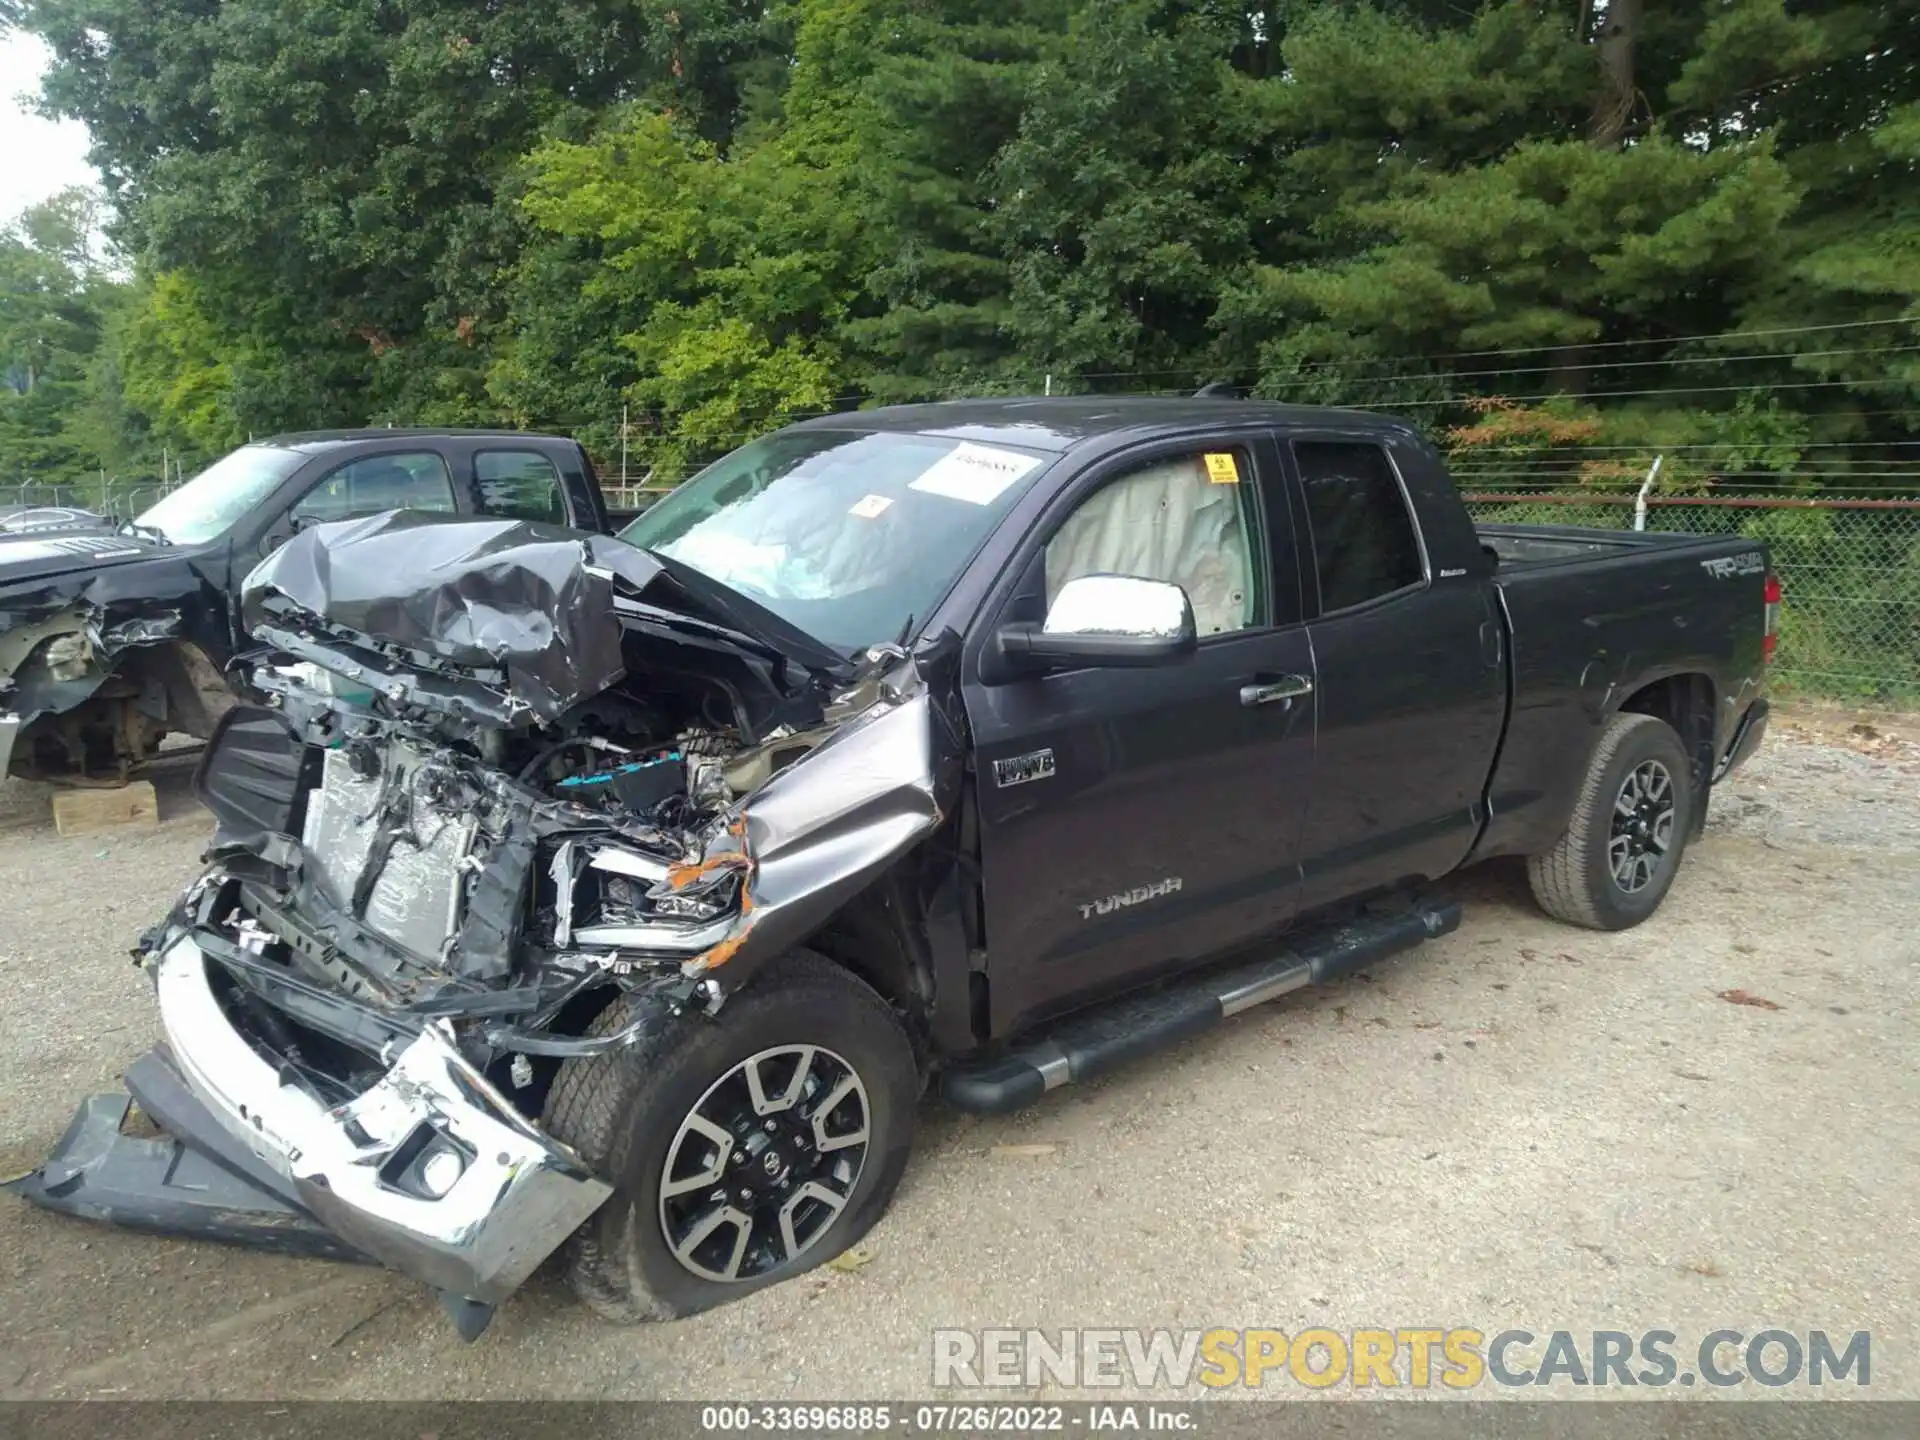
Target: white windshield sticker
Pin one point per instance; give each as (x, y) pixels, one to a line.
(978, 474)
(871, 508)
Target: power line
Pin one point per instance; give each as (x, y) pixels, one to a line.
(1577, 448)
(1449, 375)
(1539, 349)
(1632, 394)
(767, 423)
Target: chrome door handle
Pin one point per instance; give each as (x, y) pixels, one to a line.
(1287, 687)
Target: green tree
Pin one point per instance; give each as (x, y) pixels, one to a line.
(53, 297)
(1134, 188)
(334, 170)
(839, 252)
(711, 215)
(178, 368)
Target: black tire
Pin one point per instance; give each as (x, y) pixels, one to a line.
(1575, 881)
(623, 1110)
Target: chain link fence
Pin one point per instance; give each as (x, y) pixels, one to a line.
(121, 499)
(1850, 567)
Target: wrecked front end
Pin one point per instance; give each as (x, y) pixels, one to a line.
(479, 807)
(109, 641)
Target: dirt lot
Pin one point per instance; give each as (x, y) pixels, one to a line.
(1520, 1125)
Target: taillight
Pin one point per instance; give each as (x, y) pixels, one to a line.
(1771, 640)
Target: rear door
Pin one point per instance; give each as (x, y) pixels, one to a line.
(534, 477)
(1410, 674)
(1134, 820)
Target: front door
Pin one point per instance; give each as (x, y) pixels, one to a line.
(1135, 820)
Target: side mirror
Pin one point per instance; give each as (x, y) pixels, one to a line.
(283, 530)
(1104, 620)
(277, 534)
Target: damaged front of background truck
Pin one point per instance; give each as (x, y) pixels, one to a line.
(503, 777)
(108, 641)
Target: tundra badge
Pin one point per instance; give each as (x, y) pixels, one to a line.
(1019, 769)
(1136, 896)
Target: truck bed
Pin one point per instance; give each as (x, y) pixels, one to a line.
(1593, 613)
(1530, 547)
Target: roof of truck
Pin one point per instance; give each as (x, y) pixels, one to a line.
(1062, 422)
(317, 440)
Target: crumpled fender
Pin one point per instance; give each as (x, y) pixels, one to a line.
(825, 828)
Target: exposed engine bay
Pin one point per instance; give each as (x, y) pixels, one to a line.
(538, 787)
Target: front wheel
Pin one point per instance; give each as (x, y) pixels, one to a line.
(1622, 847)
(743, 1149)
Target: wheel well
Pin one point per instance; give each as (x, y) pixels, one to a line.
(1685, 702)
(881, 937)
(196, 694)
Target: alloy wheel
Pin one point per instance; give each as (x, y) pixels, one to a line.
(764, 1163)
(1642, 830)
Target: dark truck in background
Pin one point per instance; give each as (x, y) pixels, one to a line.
(622, 894)
(113, 636)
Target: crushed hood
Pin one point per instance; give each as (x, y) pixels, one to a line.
(534, 603)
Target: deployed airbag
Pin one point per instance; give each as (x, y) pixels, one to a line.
(1167, 522)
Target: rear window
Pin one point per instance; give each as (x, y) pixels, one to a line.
(1364, 543)
(521, 484)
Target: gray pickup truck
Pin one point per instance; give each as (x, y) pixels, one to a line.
(622, 894)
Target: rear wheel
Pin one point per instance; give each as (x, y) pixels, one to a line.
(1622, 846)
(743, 1150)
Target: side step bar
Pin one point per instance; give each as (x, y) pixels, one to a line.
(1111, 1035)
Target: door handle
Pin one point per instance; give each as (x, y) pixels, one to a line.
(1287, 687)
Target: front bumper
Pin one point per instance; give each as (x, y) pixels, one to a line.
(517, 1196)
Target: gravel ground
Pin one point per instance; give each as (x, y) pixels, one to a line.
(1520, 1125)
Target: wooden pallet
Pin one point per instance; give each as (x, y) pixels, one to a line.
(83, 812)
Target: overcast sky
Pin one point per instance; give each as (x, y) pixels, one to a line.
(37, 157)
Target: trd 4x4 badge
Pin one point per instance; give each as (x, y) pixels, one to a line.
(1019, 769)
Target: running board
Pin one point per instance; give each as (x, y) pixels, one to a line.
(1110, 1035)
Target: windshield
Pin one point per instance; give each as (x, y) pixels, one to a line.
(209, 504)
(848, 536)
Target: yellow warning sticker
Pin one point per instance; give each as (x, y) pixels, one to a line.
(1223, 469)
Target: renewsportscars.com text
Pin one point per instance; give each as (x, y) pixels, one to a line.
(1458, 1358)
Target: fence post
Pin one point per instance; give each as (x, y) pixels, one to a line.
(1640, 502)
